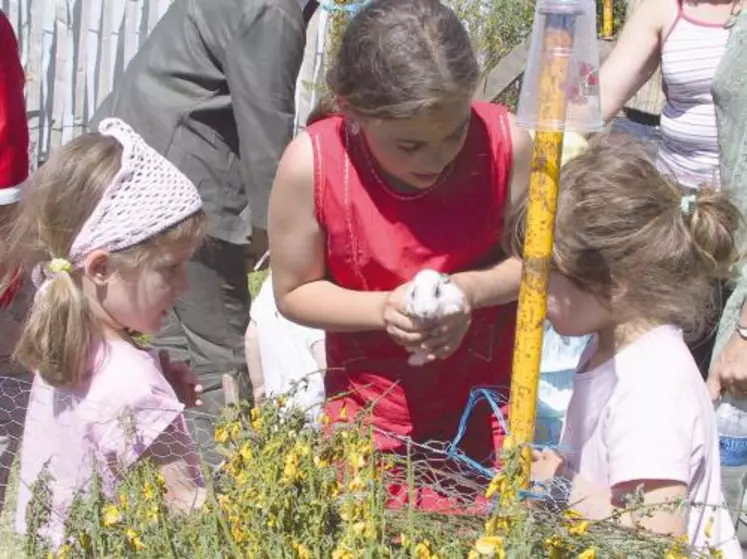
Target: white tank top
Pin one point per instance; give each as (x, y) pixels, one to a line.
(690, 57)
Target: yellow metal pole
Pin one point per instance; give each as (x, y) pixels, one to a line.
(607, 19)
(543, 194)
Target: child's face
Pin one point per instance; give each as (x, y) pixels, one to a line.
(416, 150)
(573, 312)
(139, 299)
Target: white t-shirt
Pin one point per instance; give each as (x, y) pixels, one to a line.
(646, 414)
(285, 351)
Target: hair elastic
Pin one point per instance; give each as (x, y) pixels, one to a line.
(687, 204)
(59, 265)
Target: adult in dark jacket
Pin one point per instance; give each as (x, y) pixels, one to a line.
(212, 89)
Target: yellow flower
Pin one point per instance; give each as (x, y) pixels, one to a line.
(342, 553)
(245, 452)
(256, 418)
(590, 553)
(579, 529)
(153, 514)
(473, 554)
(302, 552)
(571, 514)
(423, 550)
(404, 541)
(290, 469)
(148, 491)
(497, 485)
(85, 540)
(324, 419)
(111, 515)
(555, 546)
(237, 533)
(221, 435)
(359, 528)
(508, 443)
(133, 539)
(708, 530)
(356, 484)
(490, 545)
(123, 502)
(678, 548)
(63, 552)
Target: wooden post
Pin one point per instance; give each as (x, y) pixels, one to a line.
(543, 194)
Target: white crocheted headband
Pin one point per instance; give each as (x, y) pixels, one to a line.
(147, 196)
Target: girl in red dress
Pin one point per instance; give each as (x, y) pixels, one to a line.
(408, 174)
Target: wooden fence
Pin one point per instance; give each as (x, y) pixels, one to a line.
(74, 51)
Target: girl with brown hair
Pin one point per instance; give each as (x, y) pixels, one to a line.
(407, 173)
(633, 264)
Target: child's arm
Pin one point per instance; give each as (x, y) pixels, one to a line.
(183, 494)
(254, 362)
(654, 505)
(303, 292)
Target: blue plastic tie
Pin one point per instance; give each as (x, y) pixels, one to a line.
(350, 9)
(489, 395)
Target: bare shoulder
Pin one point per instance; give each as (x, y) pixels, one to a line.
(657, 14)
(520, 137)
(295, 174)
(291, 206)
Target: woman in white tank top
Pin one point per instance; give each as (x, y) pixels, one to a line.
(688, 40)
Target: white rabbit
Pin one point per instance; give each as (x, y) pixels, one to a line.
(431, 296)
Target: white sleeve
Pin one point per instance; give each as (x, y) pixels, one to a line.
(649, 433)
(263, 305)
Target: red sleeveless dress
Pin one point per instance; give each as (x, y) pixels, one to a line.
(376, 240)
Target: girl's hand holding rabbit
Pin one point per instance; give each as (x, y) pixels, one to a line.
(428, 316)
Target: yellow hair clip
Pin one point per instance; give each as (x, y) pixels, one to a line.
(58, 265)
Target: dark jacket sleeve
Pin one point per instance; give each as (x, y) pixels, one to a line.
(261, 67)
(14, 132)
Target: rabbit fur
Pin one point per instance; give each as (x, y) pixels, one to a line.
(431, 296)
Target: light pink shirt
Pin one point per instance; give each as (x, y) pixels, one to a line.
(646, 414)
(104, 425)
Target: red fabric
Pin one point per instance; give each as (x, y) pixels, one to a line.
(7, 296)
(14, 132)
(378, 239)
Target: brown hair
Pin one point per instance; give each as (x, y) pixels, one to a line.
(622, 223)
(397, 59)
(61, 330)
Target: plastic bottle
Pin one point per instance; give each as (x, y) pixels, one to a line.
(731, 419)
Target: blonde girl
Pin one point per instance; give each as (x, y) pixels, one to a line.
(105, 228)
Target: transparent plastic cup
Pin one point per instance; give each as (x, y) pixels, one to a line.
(560, 89)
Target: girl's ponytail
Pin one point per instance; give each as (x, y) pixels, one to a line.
(713, 221)
(60, 332)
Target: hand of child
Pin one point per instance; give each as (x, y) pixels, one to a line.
(546, 464)
(401, 328)
(446, 337)
(182, 379)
